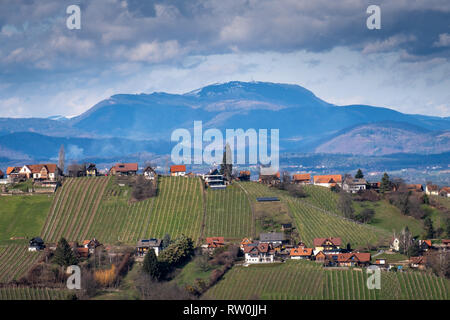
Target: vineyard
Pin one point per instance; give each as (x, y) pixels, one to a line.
(73, 209)
(27, 293)
(228, 213)
(296, 280)
(313, 222)
(16, 261)
(177, 209)
(97, 207)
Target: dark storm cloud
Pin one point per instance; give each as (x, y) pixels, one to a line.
(33, 33)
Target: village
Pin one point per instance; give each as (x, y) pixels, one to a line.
(270, 247)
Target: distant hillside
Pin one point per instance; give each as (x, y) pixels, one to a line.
(306, 123)
(387, 138)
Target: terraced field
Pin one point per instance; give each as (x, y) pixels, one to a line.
(16, 261)
(228, 213)
(313, 222)
(296, 280)
(27, 293)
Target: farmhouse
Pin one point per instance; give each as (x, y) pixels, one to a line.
(328, 180)
(445, 192)
(415, 187)
(82, 252)
(91, 170)
(352, 259)
(150, 173)
(48, 171)
(432, 190)
(259, 253)
(425, 245)
(268, 177)
(320, 256)
(274, 238)
(126, 169)
(36, 244)
(244, 242)
(244, 175)
(353, 185)
(91, 244)
(214, 180)
(215, 242)
(395, 244)
(178, 170)
(418, 262)
(77, 170)
(328, 245)
(144, 245)
(301, 253)
(302, 178)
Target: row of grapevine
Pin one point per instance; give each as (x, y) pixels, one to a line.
(303, 280)
(27, 293)
(228, 213)
(313, 222)
(73, 208)
(177, 209)
(16, 261)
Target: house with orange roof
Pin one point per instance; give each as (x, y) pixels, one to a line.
(351, 259)
(244, 242)
(328, 181)
(301, 178)
(244, 175)
(215, 242)
(425, 245)
(178, 170)
(301, 253)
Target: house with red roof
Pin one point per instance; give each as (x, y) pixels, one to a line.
(178, 170)
(301, 178)
(328, 181)
(327, 245)
(47, 171)
(124, 169)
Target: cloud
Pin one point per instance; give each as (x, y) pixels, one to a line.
(152, 52)
(444, 40)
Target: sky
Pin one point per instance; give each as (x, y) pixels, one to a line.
(175, 46)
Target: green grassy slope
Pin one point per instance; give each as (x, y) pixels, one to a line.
(22, 216)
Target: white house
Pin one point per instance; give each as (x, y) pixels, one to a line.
(354, 185)
(395, 244)
(178, 170)
(259, 253)
(432, 190)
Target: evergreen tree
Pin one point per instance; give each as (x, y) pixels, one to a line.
(151, 265)
(385, 183)
(166, 241)
(226, 168)
(359, 174)
(64, 255)
(429, 230)
(426, 199)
